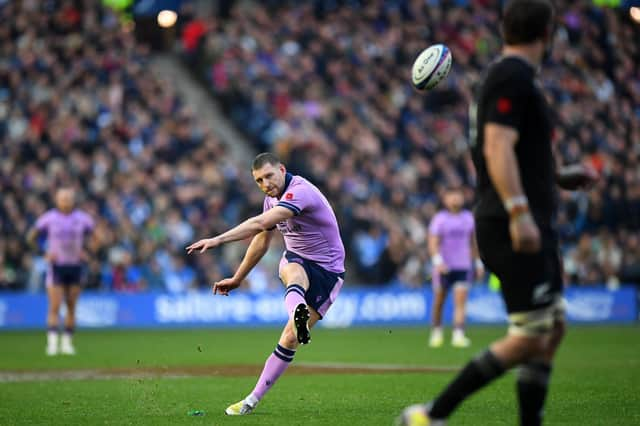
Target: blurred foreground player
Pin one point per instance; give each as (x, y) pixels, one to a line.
(512, 153)
(65, 229)
(312, 267)
(452, 247)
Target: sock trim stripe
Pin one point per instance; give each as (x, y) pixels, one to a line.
(282, 357)
(295, 288)
(488, 364)
(285, 351)
(299, 293)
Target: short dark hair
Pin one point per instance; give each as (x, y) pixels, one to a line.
(264, 158)
(453, 188)
(525, 21)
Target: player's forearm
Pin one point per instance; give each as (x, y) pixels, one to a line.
(246, 229)
(256, 250)
(434, 245)
(502, 166)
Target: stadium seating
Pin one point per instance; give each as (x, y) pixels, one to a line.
(325, 86)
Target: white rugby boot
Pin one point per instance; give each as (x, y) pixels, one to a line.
(241, 408)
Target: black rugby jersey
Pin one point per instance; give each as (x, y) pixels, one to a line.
(509, 95)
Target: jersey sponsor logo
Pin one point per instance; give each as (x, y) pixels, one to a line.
(286, 227)
(504, 105)
(288, 196)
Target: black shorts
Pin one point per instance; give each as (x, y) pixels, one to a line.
(528, 282)
(67, 274)
(324, 286)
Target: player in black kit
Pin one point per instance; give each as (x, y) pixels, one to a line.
(511, 132)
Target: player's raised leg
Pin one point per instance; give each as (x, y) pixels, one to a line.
(274, 367)
(71, 295)
(295, 278)
(296, 331)
(460, 292)
(55, 296)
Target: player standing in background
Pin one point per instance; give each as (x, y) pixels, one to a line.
(312, 267)
(452, 247)
(65, 229)
(512, 152)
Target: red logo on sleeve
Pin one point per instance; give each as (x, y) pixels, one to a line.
(504, 105)
(289, 196)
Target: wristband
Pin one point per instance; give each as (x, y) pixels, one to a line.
(437, 260)
(517, 205)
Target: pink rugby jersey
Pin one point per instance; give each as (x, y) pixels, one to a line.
(455, 231)
(312, 233)
(65, 234)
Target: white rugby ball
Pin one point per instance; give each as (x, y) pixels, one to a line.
(431, 67)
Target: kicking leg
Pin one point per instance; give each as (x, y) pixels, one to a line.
(295, 332)
(274, 367)
(71, 294)
(54, 294)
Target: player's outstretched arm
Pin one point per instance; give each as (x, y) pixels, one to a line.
(250, 227)
(256, 250)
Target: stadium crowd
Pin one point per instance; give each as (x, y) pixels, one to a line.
(79, 107)
(323, 85)
(326, 85)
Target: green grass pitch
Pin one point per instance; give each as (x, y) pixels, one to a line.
(596, 378)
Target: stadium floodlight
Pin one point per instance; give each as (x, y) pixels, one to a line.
(167, 18)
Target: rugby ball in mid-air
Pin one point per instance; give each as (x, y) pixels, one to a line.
(431, 67)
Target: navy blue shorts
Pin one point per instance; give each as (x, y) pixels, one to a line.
(453, 277)
(66, 274)
(324, 286)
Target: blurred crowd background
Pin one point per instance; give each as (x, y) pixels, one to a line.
(323, 84)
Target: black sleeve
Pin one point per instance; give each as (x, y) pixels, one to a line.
(505, 103)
